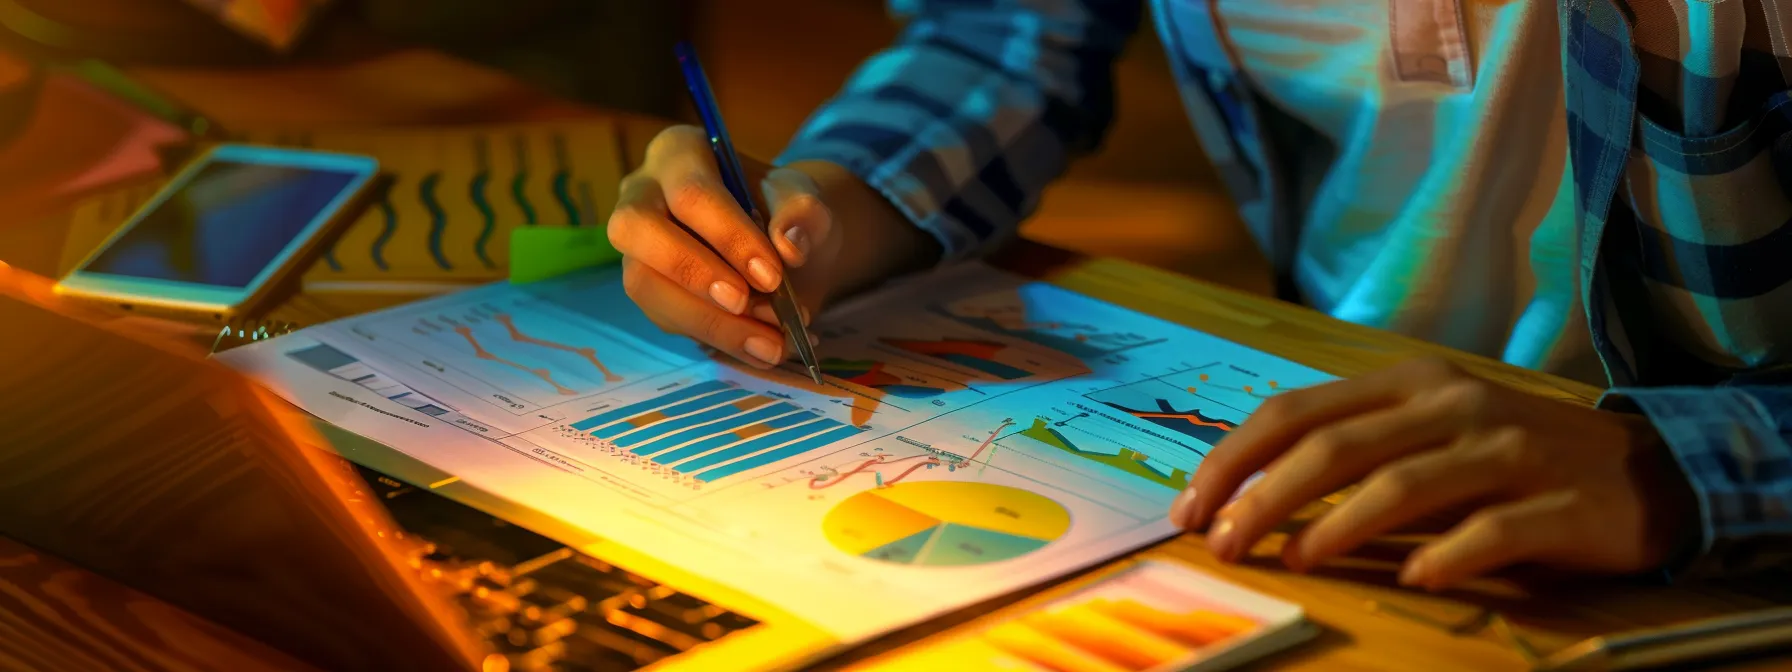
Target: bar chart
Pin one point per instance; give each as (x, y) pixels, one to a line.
(342, 365)
(712, 430)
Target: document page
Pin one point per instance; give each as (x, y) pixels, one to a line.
(976, 432)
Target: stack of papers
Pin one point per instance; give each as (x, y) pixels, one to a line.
(976, 433)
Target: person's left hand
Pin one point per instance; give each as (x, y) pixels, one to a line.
(1552, 483)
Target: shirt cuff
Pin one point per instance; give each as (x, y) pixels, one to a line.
(1707, 430)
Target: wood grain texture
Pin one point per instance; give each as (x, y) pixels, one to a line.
(55, 617)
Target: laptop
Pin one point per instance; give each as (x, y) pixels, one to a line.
(144, 462)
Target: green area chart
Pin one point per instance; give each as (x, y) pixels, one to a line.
(1126, 459)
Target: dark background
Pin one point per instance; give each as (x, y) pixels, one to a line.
(771, 62)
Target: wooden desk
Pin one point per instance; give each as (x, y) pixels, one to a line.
(52, 615)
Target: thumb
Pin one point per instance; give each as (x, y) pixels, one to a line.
(801, 223)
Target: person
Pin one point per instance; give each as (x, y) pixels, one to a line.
(1462, 171)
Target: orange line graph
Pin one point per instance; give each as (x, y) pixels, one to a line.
(588, 353)
(480, 352)
(1188, 417)
(1274, 388)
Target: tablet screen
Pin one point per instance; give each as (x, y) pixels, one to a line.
(225, 225)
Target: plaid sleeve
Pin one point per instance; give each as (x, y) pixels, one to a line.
(975, 109)
(1735, 445)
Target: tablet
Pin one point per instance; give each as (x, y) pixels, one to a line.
(226, 230)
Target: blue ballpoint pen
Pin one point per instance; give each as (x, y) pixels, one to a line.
(784, 302)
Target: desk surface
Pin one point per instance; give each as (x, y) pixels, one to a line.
(54, 616)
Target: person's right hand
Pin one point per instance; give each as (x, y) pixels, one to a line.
(698, 266)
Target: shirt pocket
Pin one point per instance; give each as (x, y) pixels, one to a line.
(1429, 43)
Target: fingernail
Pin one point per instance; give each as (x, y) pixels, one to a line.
(1179, 509)
(799, 239)
(1413, 573)
(728, 297)
(814, 341)
(763, 349)
(763, 274)
(1219, 539)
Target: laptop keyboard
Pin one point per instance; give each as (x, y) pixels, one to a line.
(541, 604)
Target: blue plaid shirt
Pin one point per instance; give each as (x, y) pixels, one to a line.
(1686, 286)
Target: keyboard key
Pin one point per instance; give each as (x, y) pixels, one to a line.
(581, 578)
(543, 613)
(587, 654)
(540, 604)
(554, 632)
(596, 630)
(663, 620)
(731, 621)
(682, 601)
(654, 630)
(668, 604)
(540, 658)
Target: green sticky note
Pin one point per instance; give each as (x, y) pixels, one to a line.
(542, 252)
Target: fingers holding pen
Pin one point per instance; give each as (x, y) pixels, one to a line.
(758, 344)
(643, 232)
(695, 196)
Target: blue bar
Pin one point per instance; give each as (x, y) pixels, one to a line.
(667, 413)
(765, 412)
(323, 357)
(729, 438)
(812, 443)
(433, 409)
(755, 445)
(683, 419)
(650, 404)
(401, 395)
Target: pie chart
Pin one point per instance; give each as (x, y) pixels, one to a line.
(944, 523)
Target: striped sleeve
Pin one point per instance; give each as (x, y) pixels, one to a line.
(1735, 446)
(976, 108)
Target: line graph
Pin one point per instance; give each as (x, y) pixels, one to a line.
(1190, 422)
(518, 353)
(830, 478)
(1235, 390)
(479, 351)
(1096, 447)
(588, 353)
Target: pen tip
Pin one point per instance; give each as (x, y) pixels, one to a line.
(815, 372)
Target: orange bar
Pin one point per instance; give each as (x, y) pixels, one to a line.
(1197, 628)
(1113, 639)
(1034, 646)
